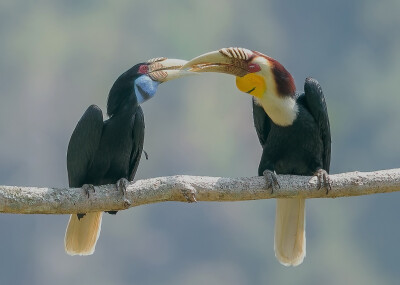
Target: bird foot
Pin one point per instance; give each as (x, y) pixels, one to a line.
(323, 180)
(87, 188)
(122, 184)
(272, 180)
(189, 193)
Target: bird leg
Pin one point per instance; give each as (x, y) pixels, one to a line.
(272, 180)
(87, 188)
(122, 184)
(189, 192)
(323, 180)
(146, 155)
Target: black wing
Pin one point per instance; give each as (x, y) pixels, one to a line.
(316, 104)
(83, 145)
(262, 122)
(138, 138)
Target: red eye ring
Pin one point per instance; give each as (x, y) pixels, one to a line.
(253, 67)
(143, 69)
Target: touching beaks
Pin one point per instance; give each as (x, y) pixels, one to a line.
(164, 69)
(234, 61)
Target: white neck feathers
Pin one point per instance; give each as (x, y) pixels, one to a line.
(281, 109)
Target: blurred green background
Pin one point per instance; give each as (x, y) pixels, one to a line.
(58, 57)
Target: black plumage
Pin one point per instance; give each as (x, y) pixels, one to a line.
(109, 152)
(104, 153)
(293, 130)
(303, 147)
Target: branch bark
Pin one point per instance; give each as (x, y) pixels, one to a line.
(182, 188)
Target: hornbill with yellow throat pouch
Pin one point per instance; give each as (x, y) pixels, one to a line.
(109, 152)
(292, 128)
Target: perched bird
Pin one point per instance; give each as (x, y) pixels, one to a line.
(292, 128)
(109, 152)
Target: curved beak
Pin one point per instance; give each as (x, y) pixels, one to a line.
(232, 61)
(163, 69)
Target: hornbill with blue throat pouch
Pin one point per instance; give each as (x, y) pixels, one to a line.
(107, 152)
(292, 128)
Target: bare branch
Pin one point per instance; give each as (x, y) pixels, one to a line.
(32, 200)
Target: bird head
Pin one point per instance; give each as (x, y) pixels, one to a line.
(139, 83)
(256, 73)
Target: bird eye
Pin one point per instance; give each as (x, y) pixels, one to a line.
(253, 67)
(143, 69)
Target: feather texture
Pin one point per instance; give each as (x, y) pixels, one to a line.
(82, 234)
(290, 235)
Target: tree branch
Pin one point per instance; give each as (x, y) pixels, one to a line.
(181, 188)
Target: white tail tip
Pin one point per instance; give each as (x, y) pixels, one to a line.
(290, 235)
(81, 235)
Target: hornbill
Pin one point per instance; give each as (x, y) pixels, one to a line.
(292, 128)
(109, 152)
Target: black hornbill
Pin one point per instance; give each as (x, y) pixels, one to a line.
(109, 152)
(292, 128)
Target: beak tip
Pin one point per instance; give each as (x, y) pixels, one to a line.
(165, 69)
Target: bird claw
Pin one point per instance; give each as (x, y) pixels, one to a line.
(272, 180)
(87, 188)
(190, 194)
(122, 184)
(323, 180)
